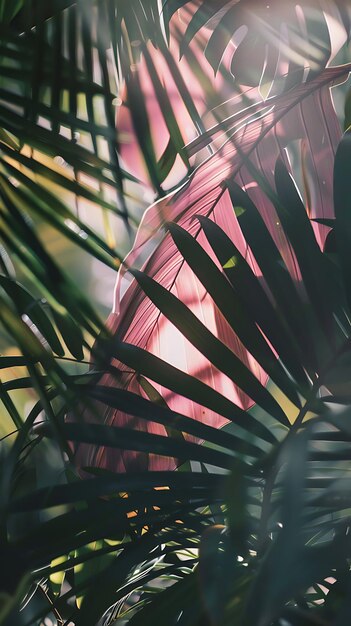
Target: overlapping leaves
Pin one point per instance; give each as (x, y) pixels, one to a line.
(296, 543)
(271, 502)
(268, 45)
(282, 508)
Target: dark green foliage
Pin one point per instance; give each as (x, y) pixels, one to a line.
(253, 528)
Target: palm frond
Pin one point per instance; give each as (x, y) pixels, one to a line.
(264, 45)
(228, 356)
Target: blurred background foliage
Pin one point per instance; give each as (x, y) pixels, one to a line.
(106, 107)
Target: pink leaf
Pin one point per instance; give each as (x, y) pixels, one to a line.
(260, 135)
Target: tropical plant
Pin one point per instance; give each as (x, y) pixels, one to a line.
(197, 472)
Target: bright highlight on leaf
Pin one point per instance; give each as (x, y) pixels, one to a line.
(238, 210)
(232, 262)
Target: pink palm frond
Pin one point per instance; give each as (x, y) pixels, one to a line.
(246, 142)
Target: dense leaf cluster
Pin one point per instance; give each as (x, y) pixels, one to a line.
(122, 500)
